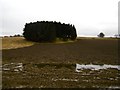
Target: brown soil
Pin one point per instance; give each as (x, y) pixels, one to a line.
(82, 51)
(52, 65)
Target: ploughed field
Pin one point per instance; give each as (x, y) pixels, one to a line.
(53, 65)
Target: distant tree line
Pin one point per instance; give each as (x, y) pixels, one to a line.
(117, 35)
(16, 35)
(49, 31)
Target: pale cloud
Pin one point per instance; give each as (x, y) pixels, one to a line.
(89, 16)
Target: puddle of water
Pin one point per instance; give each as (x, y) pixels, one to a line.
(95, 67)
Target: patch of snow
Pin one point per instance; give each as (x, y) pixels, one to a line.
(64, 79)
(97, 77)
(0, 68)
(6, 69)
(117, 78)
(111, 78)
(86, 74)
(19, 63)
(16, 70)
(96, 86)
(20, 69)
(12, 63)
(5, 65)
(114, 87)
(12, 66)
(20, 86)
(20, 66)
(85, 80)
(95, 67)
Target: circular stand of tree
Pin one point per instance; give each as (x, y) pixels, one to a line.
(48, 31)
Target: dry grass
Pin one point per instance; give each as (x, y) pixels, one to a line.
(15, 42)
(19, 42)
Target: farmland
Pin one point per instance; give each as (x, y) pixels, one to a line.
(27, 64)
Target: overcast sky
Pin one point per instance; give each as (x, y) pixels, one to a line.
(90, 17)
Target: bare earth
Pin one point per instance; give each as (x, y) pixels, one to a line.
(52, 65)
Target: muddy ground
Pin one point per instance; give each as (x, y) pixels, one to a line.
(52, 65)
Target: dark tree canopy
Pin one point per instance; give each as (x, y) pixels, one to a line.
(48, 31)
(101, 35)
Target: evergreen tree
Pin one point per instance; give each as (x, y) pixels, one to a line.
(101, 35)
(48, 31)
